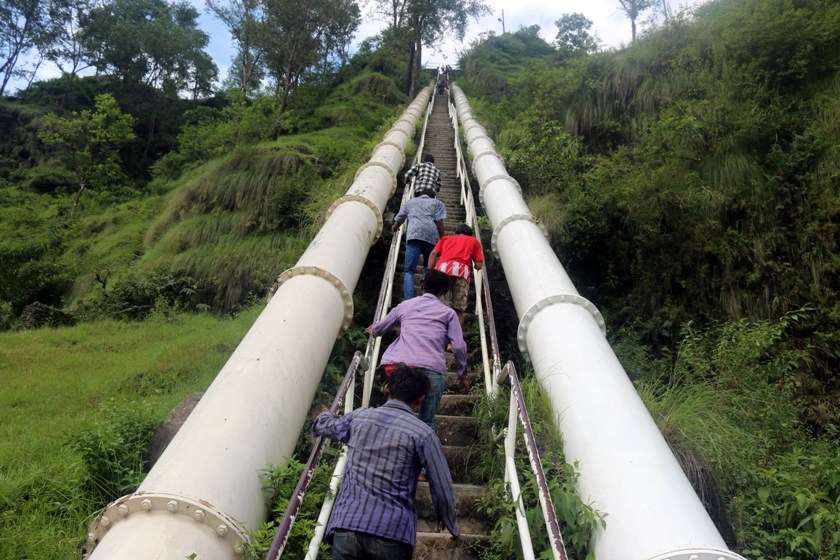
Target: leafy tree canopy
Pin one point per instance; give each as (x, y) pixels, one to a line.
(150, 42)
(89, 142)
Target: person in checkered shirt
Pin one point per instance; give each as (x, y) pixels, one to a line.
(428, 177)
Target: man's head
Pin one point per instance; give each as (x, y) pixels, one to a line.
(435, 283)
(464, 229)
(429, 158)
(408, 384)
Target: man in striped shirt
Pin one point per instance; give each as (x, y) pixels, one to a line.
(428, 177)
(374, 516)
(456, 255)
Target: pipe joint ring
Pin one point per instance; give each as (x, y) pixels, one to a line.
(367, 202)
(487, 183)
(509, 220)
(401, 131)
(141, 503)
(487, 152)
(699, 554)
(396, 145)
(471, 125)
(391, 172)
(346, 296)
(574, 299)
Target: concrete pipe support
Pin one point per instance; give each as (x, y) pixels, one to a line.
(205, 492)
(626, 467)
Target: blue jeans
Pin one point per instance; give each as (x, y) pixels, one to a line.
(430, 405)
(354, 545)
(413, 249)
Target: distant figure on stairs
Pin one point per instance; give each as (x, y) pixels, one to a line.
(456, 255)
(428, 177)
(374, 517)
(425, 215)
(426, 327)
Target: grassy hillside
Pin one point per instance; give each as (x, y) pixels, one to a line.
(164, 274)
(689, 184)
(76, 406)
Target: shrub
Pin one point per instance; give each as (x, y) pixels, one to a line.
(51, 180)
(112, 449)
(135, 298)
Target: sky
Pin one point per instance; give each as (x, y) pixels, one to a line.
(609, 23)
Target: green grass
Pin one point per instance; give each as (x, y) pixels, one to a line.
(55, 382)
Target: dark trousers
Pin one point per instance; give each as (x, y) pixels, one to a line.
(353, 545)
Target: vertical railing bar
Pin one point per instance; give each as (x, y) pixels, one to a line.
(552, 525)
(514, 486)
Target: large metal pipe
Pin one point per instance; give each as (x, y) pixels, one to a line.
(627, 469)
(205, 492)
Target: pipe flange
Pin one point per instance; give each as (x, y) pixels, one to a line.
(367, 202)
(699, 554)
(487, 183)
(391, 172)
(401, 131)
(528, 317)
(469, 126)
(396, 145)
(140, 503)
(329, 277)
(514, 218)
(487, 152)
(407, 120)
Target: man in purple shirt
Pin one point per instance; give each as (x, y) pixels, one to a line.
(374, 516)
(426, 327)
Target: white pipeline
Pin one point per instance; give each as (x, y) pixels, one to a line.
(205, 492)
(627, 469)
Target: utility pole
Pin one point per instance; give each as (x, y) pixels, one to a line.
(502, 19)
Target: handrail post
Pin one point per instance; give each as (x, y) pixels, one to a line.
(512, 479)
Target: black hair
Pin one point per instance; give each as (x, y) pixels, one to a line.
(407, 384)
(429, 158)
(435, 283)
(464, 229)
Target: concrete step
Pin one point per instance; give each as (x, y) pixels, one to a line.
(466, 501)
(456, 430)
(458, 405)
(441, 546)
(460, 459)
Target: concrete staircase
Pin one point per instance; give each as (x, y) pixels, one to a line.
(440, 142)
(455, 426)
(457, 431)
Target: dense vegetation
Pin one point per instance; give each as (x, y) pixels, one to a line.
(689, 183)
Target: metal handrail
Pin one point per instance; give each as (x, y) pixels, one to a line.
(285, 528)
(517, 403)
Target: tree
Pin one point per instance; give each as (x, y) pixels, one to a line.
(25, 25)
(66, 50)
(150, 43)
(429, 20)
(300, 37)
(245, 21)
(573, 34)
(89, 142)
(633, 9)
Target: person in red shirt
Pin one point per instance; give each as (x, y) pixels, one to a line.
(456, 255)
